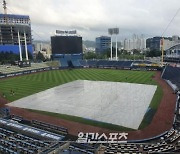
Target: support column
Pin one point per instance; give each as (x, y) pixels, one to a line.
(25, 42)
(20, 51)
(111, 47)
(116, 48)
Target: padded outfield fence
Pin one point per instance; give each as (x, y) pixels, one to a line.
(24, 72)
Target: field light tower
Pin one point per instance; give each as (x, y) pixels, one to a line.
(5, 7)
(112, 31)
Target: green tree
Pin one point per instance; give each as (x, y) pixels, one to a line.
(135, 51)
(40, 57)
(29, 55)
(90, 55)
(153, 53)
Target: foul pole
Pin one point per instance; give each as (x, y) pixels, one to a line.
(162, 51)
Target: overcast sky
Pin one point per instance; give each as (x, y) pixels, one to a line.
(92, 18)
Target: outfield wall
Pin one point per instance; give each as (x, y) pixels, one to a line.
(24, 72)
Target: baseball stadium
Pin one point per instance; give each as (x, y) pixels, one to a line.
(69, 104)
(98, 96)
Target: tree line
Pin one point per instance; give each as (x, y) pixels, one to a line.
(123, 54)
(10, 57)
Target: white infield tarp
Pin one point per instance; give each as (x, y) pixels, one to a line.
(118, 103)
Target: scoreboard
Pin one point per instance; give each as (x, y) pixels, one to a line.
(66, 44)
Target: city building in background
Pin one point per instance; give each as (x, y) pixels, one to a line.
(137, 42)
(15, 33)
(43, 47)
(102, 44)
(173, 50)
(15, 36)
(155, 42)
(89, 49)
(171, 47)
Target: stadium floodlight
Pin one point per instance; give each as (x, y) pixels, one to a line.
(110, 31)
(113, 31)
(116, 31)
(5, 7)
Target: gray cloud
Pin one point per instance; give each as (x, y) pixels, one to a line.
(92, 18)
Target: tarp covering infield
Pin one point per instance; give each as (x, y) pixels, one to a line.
(118, 103)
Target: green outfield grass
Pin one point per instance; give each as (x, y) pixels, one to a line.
(30, 84)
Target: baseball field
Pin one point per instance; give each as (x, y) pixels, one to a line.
(19, 87)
